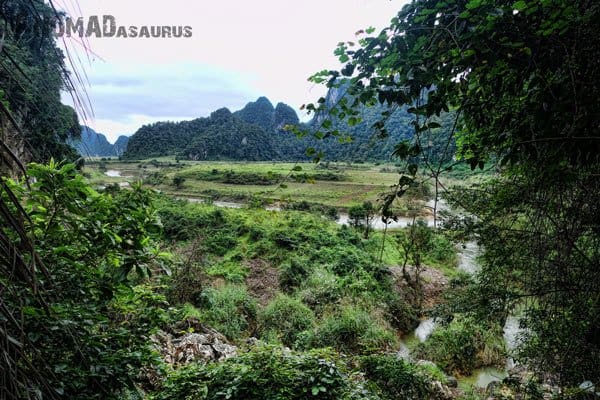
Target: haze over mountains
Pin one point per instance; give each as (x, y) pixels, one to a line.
(94, 144)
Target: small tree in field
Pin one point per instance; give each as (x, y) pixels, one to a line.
(178, 181)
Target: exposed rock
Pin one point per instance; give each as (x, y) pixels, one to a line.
(518, 383)
(206, 347)
(441, 391)
(451, 382)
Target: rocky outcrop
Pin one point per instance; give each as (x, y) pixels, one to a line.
(193, 347)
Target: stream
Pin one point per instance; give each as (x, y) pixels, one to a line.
(343, 218)
(480, 378)
(113, 173)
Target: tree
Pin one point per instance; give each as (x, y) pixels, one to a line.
(178, 181)
(361, 216)
(522, 81)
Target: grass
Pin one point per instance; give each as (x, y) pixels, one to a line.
(353, 184)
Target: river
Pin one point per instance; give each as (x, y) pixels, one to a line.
(480, 378)
(343, 219)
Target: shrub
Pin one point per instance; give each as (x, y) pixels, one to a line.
(186, 283)
(464, 345)
(351, 329)
(401, 314)
(264, 373)
(394, 377)
(231, 271)
(322, 288)
(442, 251)
(293, 274)
(220, 242)
(286, 318)
(230, 310)
(178, 181)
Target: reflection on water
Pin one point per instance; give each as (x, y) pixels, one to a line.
(113, 173)
(378, 224)
(425, 329)
(468, 258)
(512, 337)
(485, 376)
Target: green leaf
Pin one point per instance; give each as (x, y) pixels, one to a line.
(519, 5)
(473, 4)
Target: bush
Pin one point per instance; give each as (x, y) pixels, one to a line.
(442, 251)
(354, 330)
(322, 288)
(401, 314)
(230, 310)
(395, 378)
(220, 242)
(464, 345)
(178, 181)
(293, 274)
(264, 373)
(287, 318)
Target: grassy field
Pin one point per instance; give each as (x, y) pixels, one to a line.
(337, 185)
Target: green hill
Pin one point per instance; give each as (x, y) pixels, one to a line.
(257, 132)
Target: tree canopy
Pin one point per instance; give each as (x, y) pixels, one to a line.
(521, 78)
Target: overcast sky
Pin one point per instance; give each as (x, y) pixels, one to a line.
(239, 50)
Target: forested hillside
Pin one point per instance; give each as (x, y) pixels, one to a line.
(259, 132)
(35, 124)
(94, 144)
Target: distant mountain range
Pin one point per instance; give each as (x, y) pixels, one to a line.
(252, 133)
(94, 144)
(256, 133)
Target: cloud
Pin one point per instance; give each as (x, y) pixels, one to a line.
(238, 51)
(125, 96)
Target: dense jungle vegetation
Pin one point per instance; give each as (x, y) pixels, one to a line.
(261, 132)
(122, 292)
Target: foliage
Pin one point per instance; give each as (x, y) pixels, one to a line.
(263, 373)
(321, 267)
(230, 310)
(554, 272)
(178, 181)
(362, 216)
(320, 290)
(260, 131)
(223, 136)
(293, 274)
(286, 318)
(464, 345)
(352, 329)
(35, 122)
(87, 336)
(395, 378)
(520, 80)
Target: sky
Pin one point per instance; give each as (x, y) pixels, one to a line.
(238, 51)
